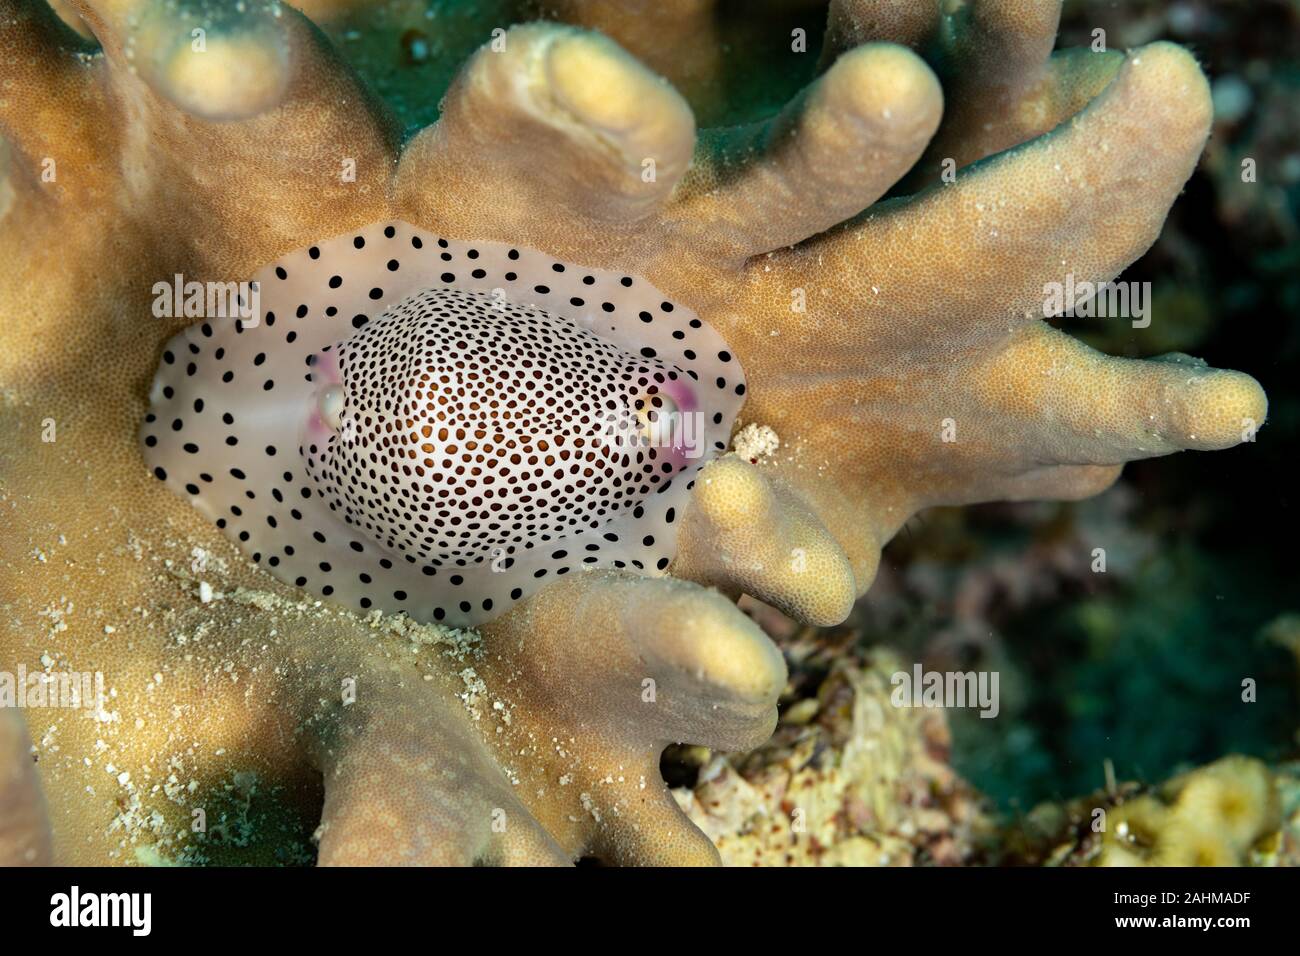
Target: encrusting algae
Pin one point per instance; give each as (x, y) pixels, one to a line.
(897, 350)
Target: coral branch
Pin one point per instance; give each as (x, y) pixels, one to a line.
(595, 639)
(1005, 84)
(1083, 407)
(637, 664)
(827, 156)
(214, 62)
(411, 785)
(912, 23)
(1085, 200)
(45, 98)
(679, 39)
(1003, 44)
(743, 535)
(555, 120)
(257, 101)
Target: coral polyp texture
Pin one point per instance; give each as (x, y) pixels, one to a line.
(1228, 813)
(894, 357)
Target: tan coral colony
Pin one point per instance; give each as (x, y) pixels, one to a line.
(894, 351)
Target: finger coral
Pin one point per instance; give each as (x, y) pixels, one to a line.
(894, 356)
